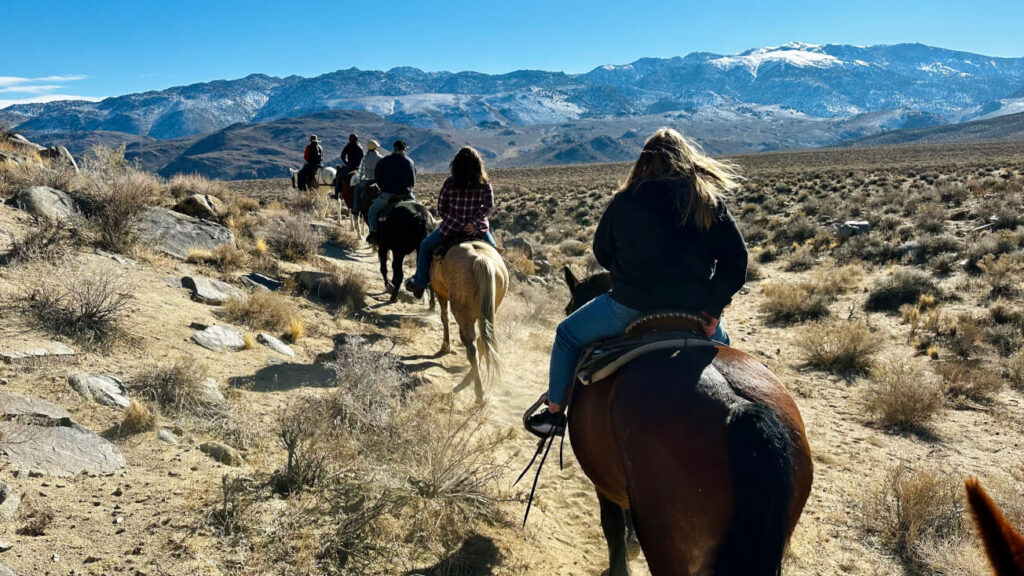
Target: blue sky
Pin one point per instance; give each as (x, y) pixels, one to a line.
(96, 48)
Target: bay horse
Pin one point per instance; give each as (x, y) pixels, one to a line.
(401, 232)
(345, 192)
(1004, 546)
(702, 447)
(473, 278)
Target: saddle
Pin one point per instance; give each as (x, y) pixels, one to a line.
(393, 202)
(454, 240)
(649, 333)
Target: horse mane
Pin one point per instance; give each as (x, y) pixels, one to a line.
(1003, 545)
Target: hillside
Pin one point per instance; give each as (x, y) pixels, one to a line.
(1008, 127)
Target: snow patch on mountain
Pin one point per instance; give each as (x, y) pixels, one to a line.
(794, 53)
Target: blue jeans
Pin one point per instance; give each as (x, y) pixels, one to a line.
(375, 209)
(426, 253)
(600, 318)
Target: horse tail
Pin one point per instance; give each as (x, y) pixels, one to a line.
(1003, 546)
(759, 455)
(486, 285)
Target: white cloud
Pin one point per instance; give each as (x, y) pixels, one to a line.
(18, 80)
(45, 98)
(31, 89)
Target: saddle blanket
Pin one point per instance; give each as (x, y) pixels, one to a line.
(605, 357)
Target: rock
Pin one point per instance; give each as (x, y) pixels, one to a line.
(852, 228)
(311, 281)
(167, 437)
(5, 571)
(209, 392)
(221, 453)
(522, 245)
(275, 345)
(220, 338)
(59, 155)
(44, 202)
(909, 250)
(202, 206)
(48, 351)
(256, 281)
(542, 266)
(101, 388)
(4, 547)
(19, 141)
(176, 234)
(16, 159)
(45, 440)
(116, 257)
(9, 502)
(209, 291)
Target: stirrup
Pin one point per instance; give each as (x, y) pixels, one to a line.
(531, 411)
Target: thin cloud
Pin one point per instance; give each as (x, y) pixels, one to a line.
(18, 80)
(31, 89)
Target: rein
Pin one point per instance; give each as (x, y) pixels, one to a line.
(543, 446)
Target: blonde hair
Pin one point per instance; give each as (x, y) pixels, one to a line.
(668, 155)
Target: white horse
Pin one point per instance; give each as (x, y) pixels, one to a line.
(324, 176)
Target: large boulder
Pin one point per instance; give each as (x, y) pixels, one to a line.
(209, 291)
(177, 234)
(59, 155)
(44, 202)
(45, 439)
(202, 206)
(101, 388)
(22, 143)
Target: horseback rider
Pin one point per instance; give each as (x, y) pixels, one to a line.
(367, 171)
(670, 243)
(465, 200)
(314, 157)
(351, 154)
(396, 177)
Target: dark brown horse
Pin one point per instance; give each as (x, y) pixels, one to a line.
(344, 191)
(704, 449)
(1003, 545)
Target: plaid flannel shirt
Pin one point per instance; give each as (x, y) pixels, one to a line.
(459, 207)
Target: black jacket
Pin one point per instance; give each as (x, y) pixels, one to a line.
(656, 263)
(395, 174)
(352, 155)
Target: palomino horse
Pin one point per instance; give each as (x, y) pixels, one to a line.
(1003, 545)
(473, 277)
(703, 447)
(401, 232)
(324, 176)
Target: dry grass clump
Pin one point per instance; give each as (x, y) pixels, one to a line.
(87, 304)
(903, 394)
(518, 263)
(261, 309)
(337, 287)
(295, 330)
(182, 185)
(840, 346)
(914, 511)
(138, 418)
(293, 239)
(226, 257)
(1015, 370)
(15, 178)
(47, 241)
(963, 380)
(794, 301)
(35, 517)
(177, 388)
(114, 198)
(903, 286)
(1003, 275)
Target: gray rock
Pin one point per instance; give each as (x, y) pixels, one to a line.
(209, 291)
(522, 245)
(220, 338)
(852, 228)
(48, 351)
(44, 439)
(19, 141)
(209, 392)
(12, 158)
(202, 206)
(275, 344)
(116, 257)
(167, 437)
(59, 155)
(256, 281)
(5, 571)
(221, 453)
(176, 234)
(44, 202)
(9, 502)
(101, 388)
(543, 266)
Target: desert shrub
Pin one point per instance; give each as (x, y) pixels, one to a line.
(226, 258)
(339, 288)
(794, 301)
(517, 262)
(754, 271)
(87, 304)
(996, 244)
(306, 430)
(931, 218)
(1003, 275)
(16, 178)
(114, 202)
(902, 394)
(293, 239)
(912, 509)
(229, 515)
(798, 229)
(868, 248)
(965, 336)
(573, 248)
(968, 381)
(1015, 370)
(182, 185)
(903, 286)
(177, 388)
(803, 258)
(344, 238)
(261, 310)
(1005, 338)
(35, 517)
(370, 384)
(48, 240)
(840, 346)
(138, 418)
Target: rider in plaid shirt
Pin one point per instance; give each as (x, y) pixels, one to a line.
(465, 200)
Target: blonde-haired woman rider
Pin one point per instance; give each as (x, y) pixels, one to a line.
(669, 242)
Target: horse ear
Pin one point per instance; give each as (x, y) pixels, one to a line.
(570, 278)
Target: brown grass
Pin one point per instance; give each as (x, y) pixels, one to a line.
(176, 388)
(261, 310)
(903, 394)
(795, 301)
(293, 239)
(840, 346)
(903, 286)
(965, 380)
(138, 418)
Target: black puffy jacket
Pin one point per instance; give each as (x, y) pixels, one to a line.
(658, 263)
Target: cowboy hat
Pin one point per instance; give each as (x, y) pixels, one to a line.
(313, 138)
(372, 145)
